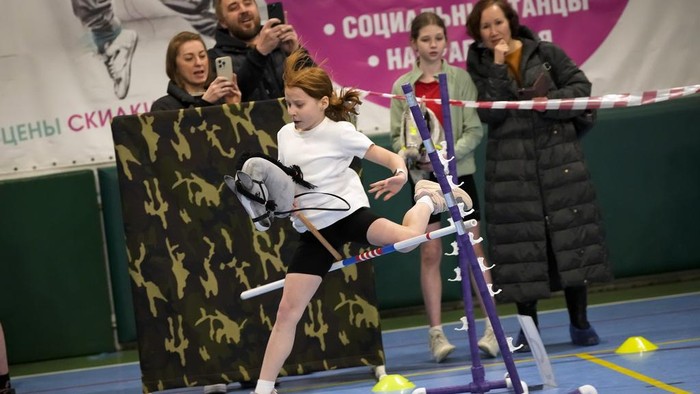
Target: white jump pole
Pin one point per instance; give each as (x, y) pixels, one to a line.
(396, 247)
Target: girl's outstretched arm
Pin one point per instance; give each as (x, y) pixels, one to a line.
(391, 185)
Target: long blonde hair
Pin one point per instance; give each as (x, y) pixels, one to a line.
(301, 72)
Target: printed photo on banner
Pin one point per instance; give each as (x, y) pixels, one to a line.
(107, 58)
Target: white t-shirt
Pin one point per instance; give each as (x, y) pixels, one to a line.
(324, 154)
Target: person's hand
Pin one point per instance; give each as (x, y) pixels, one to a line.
(289, 39)
(274, 34)
(389, 186)
(221, 87)
(235, 96)
(268, 38)
(499, 52)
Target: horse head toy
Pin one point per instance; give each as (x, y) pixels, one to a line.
(412, 150)
(265, 188)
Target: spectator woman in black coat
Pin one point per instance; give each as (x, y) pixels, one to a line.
(544, 226)
(187, 66)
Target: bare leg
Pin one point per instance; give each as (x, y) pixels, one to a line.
(430, 278)
(4, 368)
(488, 343)
(298, 290)
(415, 222)
(384, 231)
(479, 252)
(3, 353)
(431, 285)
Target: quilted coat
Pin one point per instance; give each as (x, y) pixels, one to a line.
(543, 223)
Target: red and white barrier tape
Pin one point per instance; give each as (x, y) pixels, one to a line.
(606, 101)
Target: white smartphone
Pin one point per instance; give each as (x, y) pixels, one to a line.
(224, 67)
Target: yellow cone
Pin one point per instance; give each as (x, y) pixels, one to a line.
(636, 345)
(394, 384)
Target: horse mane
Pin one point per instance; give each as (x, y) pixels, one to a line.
(294, 171)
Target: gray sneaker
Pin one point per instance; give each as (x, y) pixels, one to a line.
(440, 347)
(488, 343)
(118, 55)
(432, 190)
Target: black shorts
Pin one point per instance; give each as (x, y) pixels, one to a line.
(312, 258)
(468, 185)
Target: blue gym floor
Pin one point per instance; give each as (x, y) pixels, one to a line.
(672, 323)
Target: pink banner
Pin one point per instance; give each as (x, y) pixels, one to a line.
(57, 113)
(366, 44)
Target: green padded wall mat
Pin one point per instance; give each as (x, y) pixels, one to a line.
(192, 250)
(53, 281)
(645, 164)
(116, 253)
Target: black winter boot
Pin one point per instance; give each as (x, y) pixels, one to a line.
(581, 331)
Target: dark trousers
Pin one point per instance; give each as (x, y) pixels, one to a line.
(576, 296)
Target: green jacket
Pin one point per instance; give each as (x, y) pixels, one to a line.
(466, 125)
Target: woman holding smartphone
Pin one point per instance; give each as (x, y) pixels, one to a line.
(187, 66)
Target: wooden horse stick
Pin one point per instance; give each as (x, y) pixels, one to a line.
(318, 236)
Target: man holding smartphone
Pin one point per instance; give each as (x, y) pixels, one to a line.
(258, 51)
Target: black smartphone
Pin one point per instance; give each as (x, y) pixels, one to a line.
(275, 10)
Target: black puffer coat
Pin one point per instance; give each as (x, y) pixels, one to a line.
(259, 76)
(538, 190)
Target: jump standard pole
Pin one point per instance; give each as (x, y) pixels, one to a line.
(467, 260)
(364, 256)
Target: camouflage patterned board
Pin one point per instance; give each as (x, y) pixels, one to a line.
(192, 250)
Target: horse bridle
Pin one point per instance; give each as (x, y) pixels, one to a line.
(270, 205)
